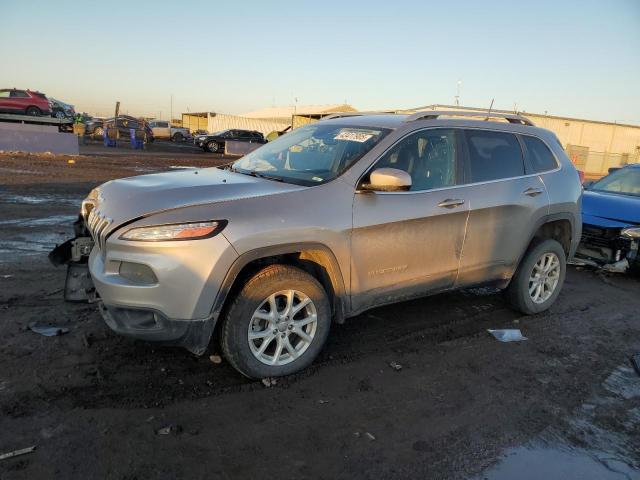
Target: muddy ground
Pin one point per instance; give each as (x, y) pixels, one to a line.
(92, 402)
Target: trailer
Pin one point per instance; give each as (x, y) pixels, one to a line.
(63, 124)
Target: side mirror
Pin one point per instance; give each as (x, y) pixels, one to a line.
(388, 180)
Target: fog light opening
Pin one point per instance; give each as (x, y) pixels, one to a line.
(137, 273)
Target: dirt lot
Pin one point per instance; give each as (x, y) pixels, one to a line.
(93, 402)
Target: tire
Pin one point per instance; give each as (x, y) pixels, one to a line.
(177, 137)
(280, 328)
(33, 111)
(60, 115)
(213, 147)
(531, 271)
(98, 132)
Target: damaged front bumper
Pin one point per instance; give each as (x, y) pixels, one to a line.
(153, 326)
(154, 291)
(74, 253)
(607, 246)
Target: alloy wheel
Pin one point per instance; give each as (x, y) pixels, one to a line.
(544, 278)
(282, 328)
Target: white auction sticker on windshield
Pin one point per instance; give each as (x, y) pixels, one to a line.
(353, 136)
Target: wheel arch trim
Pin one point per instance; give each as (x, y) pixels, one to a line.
(332, 268)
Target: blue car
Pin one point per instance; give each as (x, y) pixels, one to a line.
(611, 219)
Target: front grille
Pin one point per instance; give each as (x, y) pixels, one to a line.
(98, 226)
(604, 237)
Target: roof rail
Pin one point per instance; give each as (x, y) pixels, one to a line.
(355, 114)
(433, 114)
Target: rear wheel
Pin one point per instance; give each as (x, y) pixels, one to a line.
(98, 132)
(177, 137)
(277, 324)
(213, 147)
(33, 111)
(539, 278)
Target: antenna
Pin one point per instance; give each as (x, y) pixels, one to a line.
(489, 111)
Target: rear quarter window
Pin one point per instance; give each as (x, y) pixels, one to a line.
(493, 156)
(540, 157)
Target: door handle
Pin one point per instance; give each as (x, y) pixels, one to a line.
(451, 203)
(532, 192)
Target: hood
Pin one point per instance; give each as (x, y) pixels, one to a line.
(610, 209)
(128, 198)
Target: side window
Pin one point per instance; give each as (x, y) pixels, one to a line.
(429, 156)
(4, 94)
(19, 94)
(493, 155)
(539, 155)
(163, 124)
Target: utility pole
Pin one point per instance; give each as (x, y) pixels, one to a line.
(458, 93)
(171, 110)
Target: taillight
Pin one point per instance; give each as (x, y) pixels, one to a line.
(581, 176)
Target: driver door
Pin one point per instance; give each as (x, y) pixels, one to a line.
(406, 244)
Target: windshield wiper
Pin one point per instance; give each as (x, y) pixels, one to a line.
(256, 174)
(266, 177)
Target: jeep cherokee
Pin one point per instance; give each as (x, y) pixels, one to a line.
(331, 219)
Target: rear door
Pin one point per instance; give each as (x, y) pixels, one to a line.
(19, 101)
(161, 129)
(505, 205)
(405, 244)
(244, 136)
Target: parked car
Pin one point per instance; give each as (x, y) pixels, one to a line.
(95, 126)
(215, 142)
(126, 123)
(164, 129)
(60, 109)
(611, 219)
(323, 223)
(26, 102)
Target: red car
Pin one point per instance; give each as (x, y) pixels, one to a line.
(25, 102)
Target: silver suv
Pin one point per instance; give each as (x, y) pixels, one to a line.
(334, 218)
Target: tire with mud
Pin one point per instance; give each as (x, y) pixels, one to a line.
(277, 324)
(539, 278)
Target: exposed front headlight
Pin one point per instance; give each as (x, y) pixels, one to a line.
(180, 231)
(633, 232)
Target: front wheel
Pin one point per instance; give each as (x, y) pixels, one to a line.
(277, 324)
(177, 137)
(213, 147)
(539, 278)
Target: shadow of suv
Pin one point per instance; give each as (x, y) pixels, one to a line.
(336, 217)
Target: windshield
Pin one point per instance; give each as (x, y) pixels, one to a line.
(311, 155)
(625, 181)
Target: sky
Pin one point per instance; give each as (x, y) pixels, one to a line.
(565, 57)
